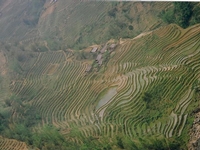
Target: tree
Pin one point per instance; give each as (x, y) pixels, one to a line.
(120, 143)
(147, 97)
(183, 13)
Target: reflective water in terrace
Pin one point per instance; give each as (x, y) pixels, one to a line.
(110, 93)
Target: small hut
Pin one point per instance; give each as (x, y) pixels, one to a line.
(103, 49)
(94, 50)
(112, 46)
(99, 57)
(100, 62)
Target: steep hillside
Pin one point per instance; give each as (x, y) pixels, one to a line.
(79, 24)
(18, 19)
(146, 87)
(75, 24)
(99, 75)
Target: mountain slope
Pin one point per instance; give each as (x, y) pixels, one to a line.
(139, 90)
(76, 24)
(146, 87)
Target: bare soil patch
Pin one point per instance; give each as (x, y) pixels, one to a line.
(49, 10)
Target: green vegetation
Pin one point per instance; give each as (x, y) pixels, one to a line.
(120, 143)
(152, 95)
(47, 138)
(163, 144)
(156, 105)
(183, 13)
(130, 27)
(54, 45)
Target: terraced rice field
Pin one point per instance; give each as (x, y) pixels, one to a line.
(9, 144)
(110, 102)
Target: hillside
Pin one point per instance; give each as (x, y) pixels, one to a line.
(147, 88)
(120, 78)
(76, 24)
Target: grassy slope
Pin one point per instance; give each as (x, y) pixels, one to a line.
(75, 24)
(18, 19)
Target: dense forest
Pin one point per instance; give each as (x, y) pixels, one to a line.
(183, 13)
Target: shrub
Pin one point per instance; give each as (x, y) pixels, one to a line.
(147, 97)
(120, 143)
(130, 27)
(112, 13)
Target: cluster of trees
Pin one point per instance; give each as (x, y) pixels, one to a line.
(154, 95)
(162, 144)
(49, 138)
(156, 105)
(112, 12)
(183, 13)
(159, 143)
